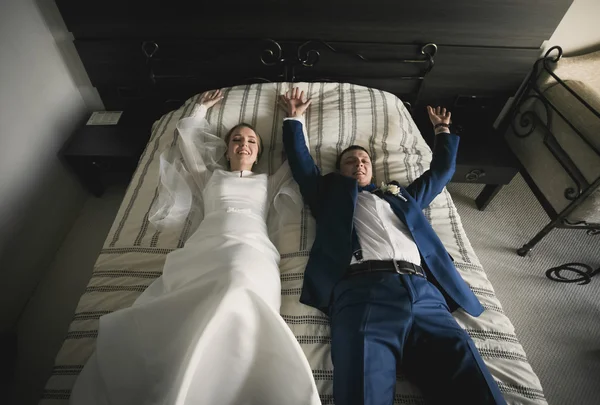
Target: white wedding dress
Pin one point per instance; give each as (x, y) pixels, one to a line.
(208, 331)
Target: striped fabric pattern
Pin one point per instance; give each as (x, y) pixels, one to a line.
(340, 115)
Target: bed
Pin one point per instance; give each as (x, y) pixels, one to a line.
(341, 114)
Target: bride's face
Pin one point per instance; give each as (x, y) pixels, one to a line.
(242, 149)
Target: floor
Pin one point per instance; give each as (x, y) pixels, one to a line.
(50, 310)
(558, 324)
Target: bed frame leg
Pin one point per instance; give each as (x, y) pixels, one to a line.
(487, 194)
(535, 240)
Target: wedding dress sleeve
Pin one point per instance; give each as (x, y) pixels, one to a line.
(184, 171)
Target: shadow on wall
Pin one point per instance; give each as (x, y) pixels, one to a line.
(36, 230)
(578, 32)
(64, 44)
(586, 50)
(28, 249)
(40, 199)
(569, 53)
(8, 359)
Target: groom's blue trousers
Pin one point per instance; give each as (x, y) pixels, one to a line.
(384, 322)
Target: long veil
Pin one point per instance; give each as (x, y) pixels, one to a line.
(185, 168)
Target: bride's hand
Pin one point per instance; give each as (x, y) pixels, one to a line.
(294, 104)
(210, 98)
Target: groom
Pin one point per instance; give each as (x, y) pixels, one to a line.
(384, 277)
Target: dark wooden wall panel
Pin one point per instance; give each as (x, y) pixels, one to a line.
(486, 47)
(512, 23)
(478, 71)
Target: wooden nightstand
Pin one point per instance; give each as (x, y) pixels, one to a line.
(100, 154)
(483, 155)
(484, 158)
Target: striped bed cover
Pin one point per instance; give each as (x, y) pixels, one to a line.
(340, 115)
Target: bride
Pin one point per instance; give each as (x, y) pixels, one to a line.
(208, 331)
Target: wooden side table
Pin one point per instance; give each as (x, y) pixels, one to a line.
(483, 155)
(484, 158)
(98, 154)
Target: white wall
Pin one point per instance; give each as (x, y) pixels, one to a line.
(40, 105)
(579, 30)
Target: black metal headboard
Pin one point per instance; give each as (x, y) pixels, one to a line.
(162, 73)
(300, 62)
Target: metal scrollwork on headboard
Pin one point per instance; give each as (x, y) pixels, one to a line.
(429, 50)
(273, 55)
(270, 56)
(308, 55)
(292, 58)
(149, 49)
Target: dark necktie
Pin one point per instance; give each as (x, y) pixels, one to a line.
(356, 250)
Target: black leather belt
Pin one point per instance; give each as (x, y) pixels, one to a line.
(391, 266)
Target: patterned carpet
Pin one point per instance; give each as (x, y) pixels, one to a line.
(557, 323)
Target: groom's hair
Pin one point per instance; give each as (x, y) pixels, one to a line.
(244, 125)
(338, 161)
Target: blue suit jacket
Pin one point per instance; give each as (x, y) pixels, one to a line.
(332, 199)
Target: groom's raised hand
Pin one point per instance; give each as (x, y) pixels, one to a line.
(294, 103)
(440, 119)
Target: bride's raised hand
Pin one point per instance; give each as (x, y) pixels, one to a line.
(210, 98)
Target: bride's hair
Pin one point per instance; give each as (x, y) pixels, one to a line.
(244, 125)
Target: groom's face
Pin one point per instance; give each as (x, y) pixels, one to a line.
(357, 164)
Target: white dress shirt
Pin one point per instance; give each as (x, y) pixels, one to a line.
(381, 234)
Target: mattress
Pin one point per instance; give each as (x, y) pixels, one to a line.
(340, 115)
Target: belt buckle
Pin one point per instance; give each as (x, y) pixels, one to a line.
(396, 267)
(405, 270)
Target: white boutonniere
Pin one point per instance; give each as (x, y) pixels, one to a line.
(392, 189)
